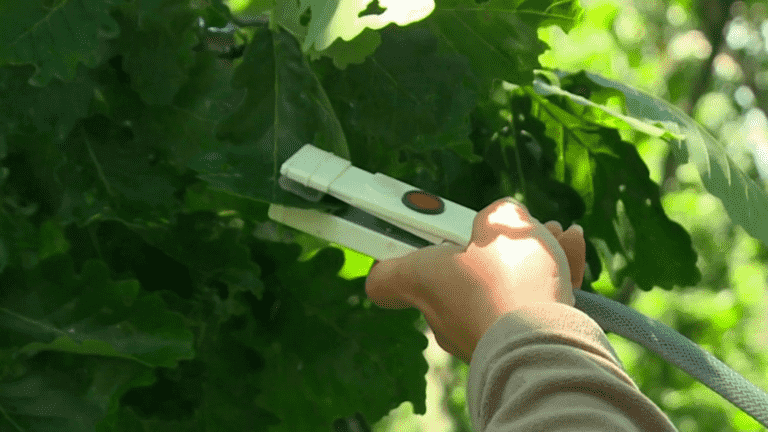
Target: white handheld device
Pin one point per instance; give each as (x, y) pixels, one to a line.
(387, 218)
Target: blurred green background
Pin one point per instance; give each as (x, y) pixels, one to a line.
(709, 58)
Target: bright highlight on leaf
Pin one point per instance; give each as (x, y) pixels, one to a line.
(345, 19)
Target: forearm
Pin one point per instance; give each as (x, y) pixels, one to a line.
(550, 364)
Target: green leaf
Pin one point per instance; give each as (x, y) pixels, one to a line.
(338, 355)
(530, 158)
(216, 13)
(410, 93)
(3, 256)
(235, 170)
(233, 386)
(499, 37)
(18, 238)
(50, 308)
(128, 177)
(745, 200)
(207, 94)
(157, 54)
(345, 53)
(178, 135)
(185, 126)
(657, 251)
(200, 197)
(284, 108)
(52, 240)
(212, 392)
(346, 19)
(565, 14)
(52, 110)
(623, 206)
(274, 70)
(252, 8)
(577, 142)
(114, 97)
(597, 113)
(55, 36)
(207, 248)
(45, 401)
(61, 391)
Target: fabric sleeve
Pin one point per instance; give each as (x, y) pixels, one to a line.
(550, 367)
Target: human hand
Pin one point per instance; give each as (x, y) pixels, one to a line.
(511, 260)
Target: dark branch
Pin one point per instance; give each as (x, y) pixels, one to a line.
(262, 21)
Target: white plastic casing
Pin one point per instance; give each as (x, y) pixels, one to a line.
(376, 194)
(341, 231)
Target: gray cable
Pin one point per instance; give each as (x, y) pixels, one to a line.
(676, 349)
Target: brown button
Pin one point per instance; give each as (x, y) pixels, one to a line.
(423, 202)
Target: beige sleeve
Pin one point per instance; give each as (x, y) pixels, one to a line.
(550, 367)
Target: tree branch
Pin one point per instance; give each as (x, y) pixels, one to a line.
(262, 21)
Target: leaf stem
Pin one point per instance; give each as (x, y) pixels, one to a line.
(520, 171)
(96, 163)
(10, 420)
(95, 242)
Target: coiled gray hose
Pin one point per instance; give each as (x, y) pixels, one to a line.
(676, 349)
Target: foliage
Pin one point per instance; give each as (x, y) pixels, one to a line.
(140, 290)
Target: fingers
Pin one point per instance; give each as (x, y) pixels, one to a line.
(392, 283)
(378, 285)
(555, 228)
(508, 216)
(572, 242)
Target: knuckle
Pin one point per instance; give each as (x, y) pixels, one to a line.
(506, 211)
(506, 204)
(503, 202)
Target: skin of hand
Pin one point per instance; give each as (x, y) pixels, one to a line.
(511, 260)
